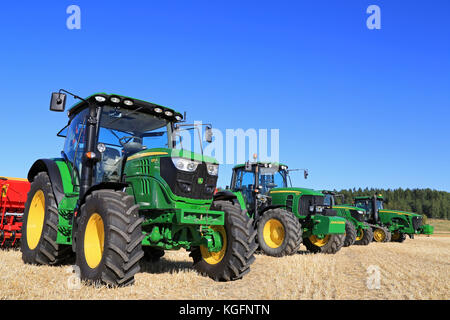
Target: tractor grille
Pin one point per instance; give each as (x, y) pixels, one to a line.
(186, 184)
(289, 201)
(358, 216)
(417, 222)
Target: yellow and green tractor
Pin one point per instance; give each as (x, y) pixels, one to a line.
(284, 217)
(357, 231)
(388, 224)
(124, 190)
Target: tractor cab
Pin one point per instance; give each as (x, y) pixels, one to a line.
(372, 206)
(256, 180)
(122, 131)
(105, 131)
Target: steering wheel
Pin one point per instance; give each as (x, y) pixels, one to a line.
(131, 144)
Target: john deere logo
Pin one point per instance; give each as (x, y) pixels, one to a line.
(200, 180)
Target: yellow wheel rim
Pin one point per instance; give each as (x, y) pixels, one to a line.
(215, 257)
(379, 235)
(35, 220)
(318, 241)
(94, 239)
(361, 234)
(273, 233)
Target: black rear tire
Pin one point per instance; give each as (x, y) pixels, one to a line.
(350, 233)
(367, 237)
(240, 249)
(47, 251)
(122, 238)
(291, 230)
(333, 245)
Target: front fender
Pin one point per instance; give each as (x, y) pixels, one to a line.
(58, 173)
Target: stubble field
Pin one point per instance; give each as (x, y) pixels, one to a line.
(415, 269)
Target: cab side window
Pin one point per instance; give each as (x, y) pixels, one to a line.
(75, 143)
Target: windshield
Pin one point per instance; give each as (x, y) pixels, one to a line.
(379, 204)
(363, 204)
(192, 137)
(131, 130)
(125, 132)
(270, 178)
(328, 200)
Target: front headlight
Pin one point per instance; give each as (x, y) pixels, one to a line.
(185, 164)
(360, 212)
(213, 169)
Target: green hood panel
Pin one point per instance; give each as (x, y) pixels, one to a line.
(177, 153)
(397, 212)
(349, 207)
(297, 191)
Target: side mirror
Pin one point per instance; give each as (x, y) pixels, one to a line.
(305, 174)
(58, 102)
(248, 166)
(208, 134)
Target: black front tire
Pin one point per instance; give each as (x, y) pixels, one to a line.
(350, 234)
(292, 231)
(240, 249)
(367, 237)
(333, 245)
(152, 254)
(398, 237)
(122, 234)
(47, 251)
(387, 234)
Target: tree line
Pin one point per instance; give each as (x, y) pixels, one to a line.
(432, 203)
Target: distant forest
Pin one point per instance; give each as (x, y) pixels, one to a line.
(434, 204)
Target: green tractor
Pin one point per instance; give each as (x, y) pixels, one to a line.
(123, 190)
(284, 217)
(391, 225)
(357, 231)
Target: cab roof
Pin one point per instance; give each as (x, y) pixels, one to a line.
(379, 196)
(143, 106)
(261, 163)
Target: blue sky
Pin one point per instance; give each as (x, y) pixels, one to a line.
(357, 107)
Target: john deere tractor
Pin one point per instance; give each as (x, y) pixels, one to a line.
(123, 190)
(357, 231)
(391, 225)
(285, 217)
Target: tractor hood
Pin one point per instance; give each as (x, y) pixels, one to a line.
(347, 206)
(173, 153)
(395, 212)
(296, 191)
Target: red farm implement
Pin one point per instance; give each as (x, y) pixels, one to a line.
(13, 194)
